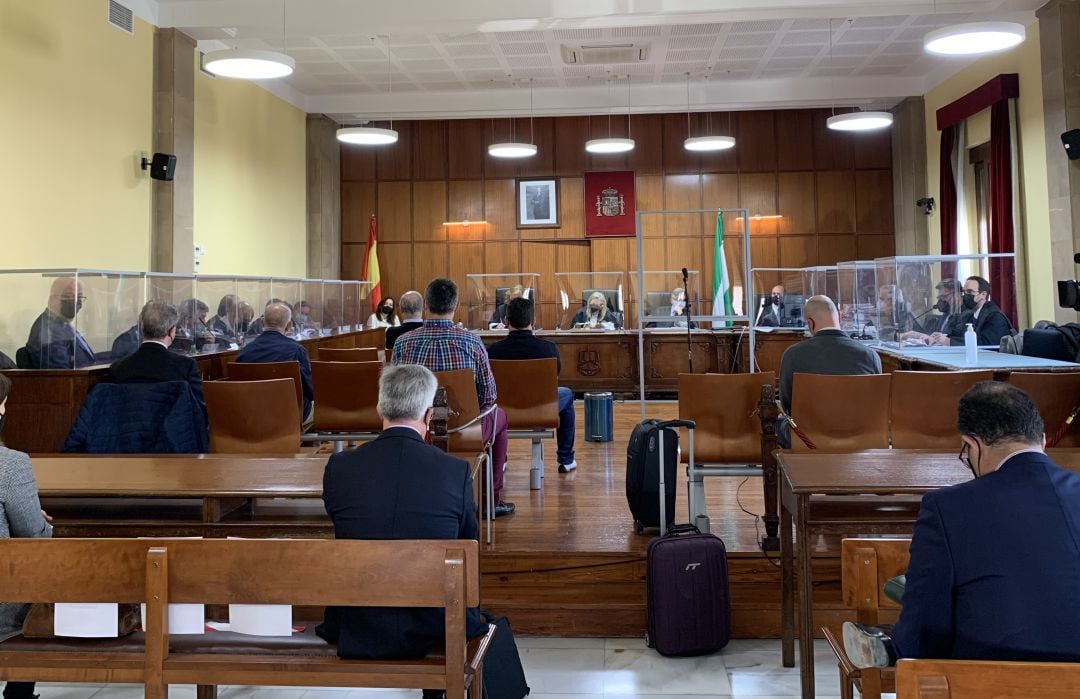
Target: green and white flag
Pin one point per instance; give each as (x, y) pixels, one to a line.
(721, 281)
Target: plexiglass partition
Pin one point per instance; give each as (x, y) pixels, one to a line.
(921, 299)
(821, 281)
(333, 306)
(591, 300)
(662, 300)
(192, 332)
(488, 294)
(219, 294)
(857, 297)
(355, 304)
(778, 297)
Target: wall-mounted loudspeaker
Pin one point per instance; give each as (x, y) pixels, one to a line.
(162, 166)
(1071, 141)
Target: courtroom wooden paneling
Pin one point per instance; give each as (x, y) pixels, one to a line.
(430, 261)
(500, 210)
(682, 192)
(755, 140)
(430, 150)
(501, 131)
(873, 246)
(429, 210)
(463, 259)
(394, 161)
(647, 158)
(502, 258)
(873, 203)
(466, 148)
(798, 204)
(833, 150)
(395, 267)
(873, 150)
(649, 192)
(610, 254)
(357, 206)
(794, 138)
(757, 193)
(542, 130)
(571, 134)
(395, 212)
(572, 208)
(835, 202)
(465, 202)
(574, 257)
(357, 164)
(798, 250)
(607, 126)
(837, 247)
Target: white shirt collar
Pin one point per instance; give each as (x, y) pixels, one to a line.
(1017, 453)
(156, 342)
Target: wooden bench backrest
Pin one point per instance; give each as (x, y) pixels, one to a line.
(348, 395)
(73, 570)
(1056, 396)
(528, 392)
(261, 371)
(357, 354)
(865, 565)
(922, 406)
(953, 679)
(841, 413)
(724, 407)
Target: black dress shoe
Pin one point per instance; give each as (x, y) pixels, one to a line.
(434, 694)
(869, 646)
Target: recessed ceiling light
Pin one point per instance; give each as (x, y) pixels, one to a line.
(512, 150)
(859, 121)
(367, 136)
(248, 64)
(609, 145)
(974, 38)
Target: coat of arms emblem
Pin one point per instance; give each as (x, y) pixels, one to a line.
(610, 203)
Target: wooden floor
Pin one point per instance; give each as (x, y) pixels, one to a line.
(568, 563)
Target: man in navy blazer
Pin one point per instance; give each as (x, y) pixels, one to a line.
(273, 345)
(54, 343)
(153, 362)
(398, 487)
(995, 562)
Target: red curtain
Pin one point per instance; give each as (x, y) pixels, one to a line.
(947, 195)
(1002, 277)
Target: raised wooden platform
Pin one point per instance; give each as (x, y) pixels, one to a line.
(569, 564)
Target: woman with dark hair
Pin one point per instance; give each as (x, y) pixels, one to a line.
(383, 317)
(20, 516)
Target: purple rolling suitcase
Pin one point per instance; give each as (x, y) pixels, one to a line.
(689, 605)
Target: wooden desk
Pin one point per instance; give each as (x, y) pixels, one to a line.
(805, 478)
(952, 359)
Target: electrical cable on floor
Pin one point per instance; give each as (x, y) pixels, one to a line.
(735, 354)
(757, 523)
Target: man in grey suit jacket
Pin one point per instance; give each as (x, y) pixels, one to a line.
(828, 351)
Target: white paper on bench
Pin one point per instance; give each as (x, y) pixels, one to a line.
(183, 618)
(261, 619)
(86, 620)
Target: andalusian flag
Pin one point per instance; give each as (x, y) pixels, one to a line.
(721, 281)
(370, 270)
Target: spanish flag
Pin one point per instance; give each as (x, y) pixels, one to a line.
(370, 271)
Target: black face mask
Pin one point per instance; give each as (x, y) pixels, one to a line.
(942, 305)
(969, 302)
(69, 307)
(777, 300)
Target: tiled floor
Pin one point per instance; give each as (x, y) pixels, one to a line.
(576, 668)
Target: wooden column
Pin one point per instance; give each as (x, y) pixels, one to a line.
(909, 177)
(173, 213)
(323, 198)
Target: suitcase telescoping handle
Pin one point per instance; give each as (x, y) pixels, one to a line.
(661, 426)
(688, 424)
(677, 529)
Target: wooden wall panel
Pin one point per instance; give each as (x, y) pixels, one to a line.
(463, 259)
(610, 254)
(647, 158)
(430, 261)
(357, 206)
(682, 192)
(794, 139)
(835, 202)
(755, 141)
(649, 195)
(352, 260)
(542, 258)
(798, 250)
(395, 211)
(394, 162)
(466, 149)
(571, 208)
(500, 210)
(836, 248)
(720, 192)
(654, 252)
(872, 246)
(833, 150)
(873, 150)
(677, 158)
(757, 193)
(430, 150)
(570, 146)
(573, 257)
(874, 201)
(465, 202)
(542, 132)
(357, 163)
(797, 203)
(429, 210)
(396, 268)
(501, 131)
(502, 258)
(685, 252)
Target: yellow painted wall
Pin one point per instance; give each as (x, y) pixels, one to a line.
(75, 108)
(1025, 61)
(250, 180)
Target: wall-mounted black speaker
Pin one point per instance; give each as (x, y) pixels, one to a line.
(1071, 141)
(162, 166)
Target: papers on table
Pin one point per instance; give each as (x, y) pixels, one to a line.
(86, 620)
(183, 618)
(261, 619)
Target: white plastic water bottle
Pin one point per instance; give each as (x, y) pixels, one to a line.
(971, 346)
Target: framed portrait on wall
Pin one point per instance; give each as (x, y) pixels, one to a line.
(538, 203)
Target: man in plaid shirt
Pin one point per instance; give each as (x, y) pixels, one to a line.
(442, 346)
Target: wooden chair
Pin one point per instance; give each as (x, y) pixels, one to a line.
(922, 407)
(1057, 396)
(841, 413)
(465, 429)
(253, 371)
(443, 574)
(865, 566)
(726, 440)
(951, 679)
(356, 354)
(253, 417)
(529, 395)
(348, 399)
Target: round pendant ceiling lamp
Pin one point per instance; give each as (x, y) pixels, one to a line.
(248, 64)
(704, 144)
(613, 144)
(860, 121)
(367, 136)
(974, 38)
(514, 148)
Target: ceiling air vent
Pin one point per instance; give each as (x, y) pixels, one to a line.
(121, 17)
(603, 54)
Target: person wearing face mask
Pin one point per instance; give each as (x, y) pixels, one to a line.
(21, 516)
(990, 323)
(596, 314)
(397, 487)
(383, 317)
(995, 562)
(54, 343)
(771, 314)
(949, 307)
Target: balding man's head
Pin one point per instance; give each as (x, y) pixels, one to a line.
(821, 314)
(66, 297)
(277, 316)
(411, 306)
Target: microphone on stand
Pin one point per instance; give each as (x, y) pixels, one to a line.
(686, 312)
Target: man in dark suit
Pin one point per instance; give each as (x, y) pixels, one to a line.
(54, 343)
(950, 307)
(153, 362)
(771, 313)
(411, 307)
(397, 487)
(522, 344)
(990, 323)
(274, 345)
(995, 562)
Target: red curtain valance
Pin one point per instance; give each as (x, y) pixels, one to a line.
(1003, 87)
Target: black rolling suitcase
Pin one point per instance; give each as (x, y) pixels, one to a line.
(651, 458)
(686, 581)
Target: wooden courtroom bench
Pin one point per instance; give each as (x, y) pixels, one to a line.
(348, 573)
(980, 679)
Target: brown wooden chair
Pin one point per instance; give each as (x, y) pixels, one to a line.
(865, 566)
(465, 428)
(1057, 396)
(347, 409)
(355, 354)
(529, 395)
(922, 407)
(964, 679)
(253, 417)
(726, 441)
(254, 371)
(841, 413)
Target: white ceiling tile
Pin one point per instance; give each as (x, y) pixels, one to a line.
(809, 23)
(408, 40)
(903, 48)
(518, 36)
(413, 66)
(528, 61)
(360, 53)
(433, 76)
(797, 51)
(871, 22)
(577, 34)
(878, 70)
(469, 50)
(864, 36)
(747, 40)
(892, 61)
(635, 32)
(324, 69)
(806, 37)
(939, 20)
(853, 49)
(524, 49)
(742, 53)
(696, 29)
(441, 87)
(413, 52)
(913, 34)
(683, 68)
(781, 73)
(687, 55)
(474, 38)
(476, 63)
(772, 25)
(834, 71)
(309, 55)
(691, 42)
(778, 63)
